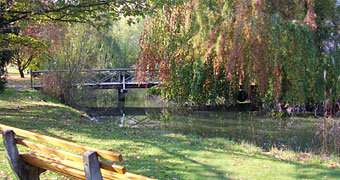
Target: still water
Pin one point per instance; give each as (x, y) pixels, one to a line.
(142, 111)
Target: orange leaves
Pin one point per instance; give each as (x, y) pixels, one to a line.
(257, 6)
(310, 18)
(242, 42)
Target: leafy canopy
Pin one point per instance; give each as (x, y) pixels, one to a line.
(90, 11)
(17, 14)
(206, 51)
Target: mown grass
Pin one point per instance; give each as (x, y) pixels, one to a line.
(156, 153)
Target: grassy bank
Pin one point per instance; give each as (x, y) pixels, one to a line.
(155, 153)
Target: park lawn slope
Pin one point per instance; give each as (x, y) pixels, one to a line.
(156, 153)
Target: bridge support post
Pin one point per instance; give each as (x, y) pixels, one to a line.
(30, 71)
(121, 92)
(121, 95)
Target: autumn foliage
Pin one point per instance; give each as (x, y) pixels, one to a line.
(206, 51)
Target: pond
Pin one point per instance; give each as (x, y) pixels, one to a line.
(142, 111)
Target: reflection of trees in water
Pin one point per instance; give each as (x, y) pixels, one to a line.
(329, 133)
(89, 97)
(138, 121)
(133, 117)
(296, 133)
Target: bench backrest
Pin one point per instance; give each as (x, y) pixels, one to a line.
(69, 145)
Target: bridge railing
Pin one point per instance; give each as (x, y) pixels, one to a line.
(114, 78)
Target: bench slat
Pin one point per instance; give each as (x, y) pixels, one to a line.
(62, 143)
(53, 166)
(67, 155)
(49, 150)
(72, 168)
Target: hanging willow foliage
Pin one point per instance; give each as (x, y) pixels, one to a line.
(208, 50)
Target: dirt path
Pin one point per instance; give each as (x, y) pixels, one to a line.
(15, 81)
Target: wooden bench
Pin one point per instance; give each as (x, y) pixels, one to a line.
(30, 165)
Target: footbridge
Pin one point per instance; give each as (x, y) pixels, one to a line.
(114, 78)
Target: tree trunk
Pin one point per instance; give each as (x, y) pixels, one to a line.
(22, 74)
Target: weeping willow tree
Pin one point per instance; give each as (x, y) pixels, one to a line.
(116, 45)
(208, 50)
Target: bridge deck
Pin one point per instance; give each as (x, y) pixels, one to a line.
(111, 85)
(116, 78)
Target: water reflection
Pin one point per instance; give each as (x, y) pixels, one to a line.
(297, 133)
(133, 117)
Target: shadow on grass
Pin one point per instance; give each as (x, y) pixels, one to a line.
(29, 121)
(319, 171)
(170, 159)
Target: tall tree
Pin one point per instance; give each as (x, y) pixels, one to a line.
(24, 51)
(327, 38)
(116, 44)
(208, 50)
(19, 13)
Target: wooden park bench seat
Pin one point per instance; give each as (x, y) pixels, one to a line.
(28, 166)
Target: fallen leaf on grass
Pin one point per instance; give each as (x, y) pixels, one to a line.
(159, 160)
(278, 157)
(333, 165)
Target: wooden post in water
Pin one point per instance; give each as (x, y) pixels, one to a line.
(121, 95)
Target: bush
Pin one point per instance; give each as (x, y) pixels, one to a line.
(61, 85)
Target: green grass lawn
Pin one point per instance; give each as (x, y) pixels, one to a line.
(155, 153)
